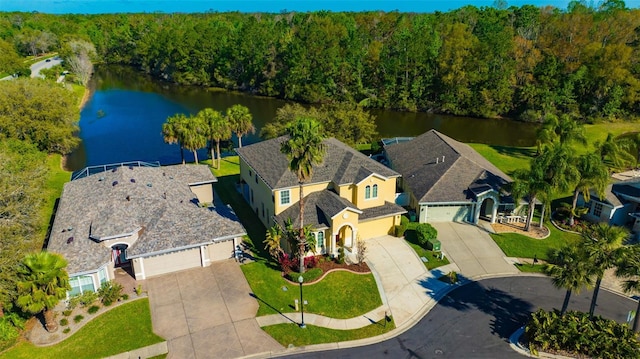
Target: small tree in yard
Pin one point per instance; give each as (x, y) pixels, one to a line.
(361, 250)
(425, 232)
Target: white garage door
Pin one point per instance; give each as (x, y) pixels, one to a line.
(221, 250)
(457, 213)
(172, 262)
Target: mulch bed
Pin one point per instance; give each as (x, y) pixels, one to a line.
(328, 265)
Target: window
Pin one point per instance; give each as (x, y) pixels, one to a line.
(252, 196)
(367, 192)
(262, 210)
(597, 209)
(81, 284)
(256, 178)
(285, 197)
(250, 173)
(375, 191)
(102, 275)
(320, 241)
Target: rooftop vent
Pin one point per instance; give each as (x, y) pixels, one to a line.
(101, 179)
(69, 240)
(164, 195)
(69, 229)
(131, 167)
(164, 174)
(114, 170)
(133, 180)
(114, 183)
(128, 198)
(149, 184)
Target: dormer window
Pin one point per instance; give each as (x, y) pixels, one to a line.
(368, 192)
(285, 197)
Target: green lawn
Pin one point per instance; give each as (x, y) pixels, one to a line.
(290, 333)
(340, 294)
(433, 258)
(530, 268)
(517, 245)
(506, 158)
(121, 329)
(56, 179)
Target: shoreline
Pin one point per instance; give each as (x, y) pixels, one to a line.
(83, 101)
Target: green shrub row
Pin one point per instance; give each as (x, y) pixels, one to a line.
(576, 333)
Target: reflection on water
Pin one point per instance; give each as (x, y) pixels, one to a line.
(123, 120)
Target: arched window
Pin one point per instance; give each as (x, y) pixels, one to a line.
(367, 192)
(375, 191)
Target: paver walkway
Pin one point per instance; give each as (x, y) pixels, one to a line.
(207, 313)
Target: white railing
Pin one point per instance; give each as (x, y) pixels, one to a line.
(91, 170)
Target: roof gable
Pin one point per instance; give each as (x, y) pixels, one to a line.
(437, 168)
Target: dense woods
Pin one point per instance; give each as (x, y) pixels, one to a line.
(523, 62)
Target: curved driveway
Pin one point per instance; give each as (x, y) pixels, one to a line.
(476, 320)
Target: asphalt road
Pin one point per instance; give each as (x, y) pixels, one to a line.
(35, 68)
(476, 320)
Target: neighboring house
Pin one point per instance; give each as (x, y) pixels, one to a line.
(620, 207)
(447, 180)
(348, 196)
(154, 220)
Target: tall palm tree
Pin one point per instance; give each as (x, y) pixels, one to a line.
(603, 247)
(193, 134)
(304, 149)
(530, 184)
(43, 282)
(218, 129)
(563, 129)
(569, 271)
(172, 131)
(593, 174)
(629, 268)
(615, 149)
(241, 121)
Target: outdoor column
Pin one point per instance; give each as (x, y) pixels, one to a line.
(494, 212)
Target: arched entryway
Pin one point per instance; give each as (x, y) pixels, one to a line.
(119, 255)
(488, 210)
(347, 233)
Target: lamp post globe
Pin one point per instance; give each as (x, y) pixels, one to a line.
(301, 280)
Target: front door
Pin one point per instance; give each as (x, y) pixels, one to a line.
(119, 255)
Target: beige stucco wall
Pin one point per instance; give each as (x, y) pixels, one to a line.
(204, 192)
(386, 192)
(294, 194)
(262, 194)
(377, 227)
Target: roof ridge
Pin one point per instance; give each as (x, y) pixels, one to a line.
(441, 177)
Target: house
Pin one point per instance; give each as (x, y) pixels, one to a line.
(447, 180)
(151, 220)
(349, 196)
(620, 205)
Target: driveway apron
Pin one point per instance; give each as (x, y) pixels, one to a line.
(207, 313)
(472, 250)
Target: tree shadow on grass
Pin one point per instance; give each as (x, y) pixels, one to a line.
(272, 307)
(508, 311)
(517, 152)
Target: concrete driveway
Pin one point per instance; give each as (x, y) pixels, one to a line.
(472, 250)
(207, 313)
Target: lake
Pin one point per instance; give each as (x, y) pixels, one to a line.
(122, 121)
(274, 6)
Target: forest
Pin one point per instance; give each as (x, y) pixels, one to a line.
(519, 62)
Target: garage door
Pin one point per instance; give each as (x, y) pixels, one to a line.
(172, 262)
(221, 250)
(456, 213)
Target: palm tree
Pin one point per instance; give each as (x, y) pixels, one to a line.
(615, 149)
(240, 118)
(272, 241)
(43, 282)
(193, 135)
(218, 129)
(593, 174)
(629, 268)
(603, 247)
(530, 184)
(304, 149)
(172, 131)
(563, 129)
(567, 270)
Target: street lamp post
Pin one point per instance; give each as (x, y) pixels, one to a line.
(300, 280)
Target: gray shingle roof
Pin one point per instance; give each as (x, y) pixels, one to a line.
(155, 202)
(341, 165)
(437, 168)
(386, 210)
(615, 191)
(319, 207)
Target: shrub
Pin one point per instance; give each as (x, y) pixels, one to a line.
(124, 296)
(64, 322)
(399, 229)
(66, 330)
(404, 221)
(361, 249)
(110, 292)
(9, 331)
(84, 300)
(67, 312)
(310, 262)
(575, 332)
(285, 263)
(138, 290)
(340, 258)
(78, 318)
(425, 232)
(93, 309)
(453, 277)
